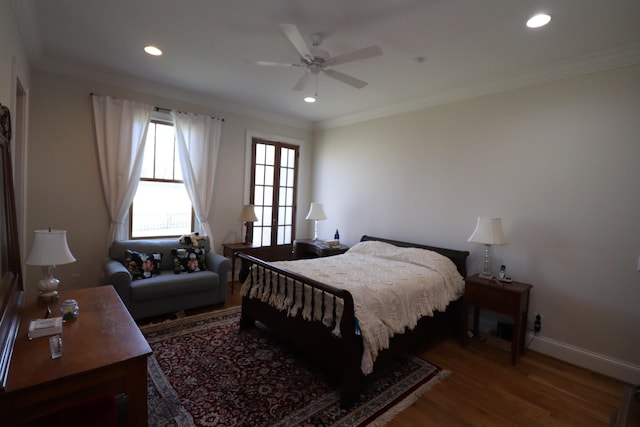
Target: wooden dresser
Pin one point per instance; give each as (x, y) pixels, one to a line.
(104, 352)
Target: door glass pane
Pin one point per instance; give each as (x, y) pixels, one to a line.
(288, 215)
(259, 213)
(268, 196)
(281, 215)
(268, 175)
(258, 198)
(287, 234)
(259, 175)
(270, 155)
(291, 158)
(266, 236)
(260, 156)
(288, 200)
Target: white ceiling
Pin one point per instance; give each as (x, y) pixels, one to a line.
(210, 47)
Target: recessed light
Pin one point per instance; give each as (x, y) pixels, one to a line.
(539, 20)
(152, 50)
(309, 99)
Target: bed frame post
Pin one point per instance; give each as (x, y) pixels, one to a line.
(352, 348)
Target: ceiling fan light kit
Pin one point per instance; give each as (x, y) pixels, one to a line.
(316, 60)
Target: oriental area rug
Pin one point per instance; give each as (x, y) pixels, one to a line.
(205, 371)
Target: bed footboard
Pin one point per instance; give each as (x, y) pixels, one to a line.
(316, 319)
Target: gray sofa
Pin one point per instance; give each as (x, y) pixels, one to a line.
(167, 292)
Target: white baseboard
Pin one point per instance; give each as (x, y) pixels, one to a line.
(595, 362)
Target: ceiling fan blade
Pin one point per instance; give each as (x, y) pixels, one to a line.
(277, 64)
(292, 33)
(356, 55)
(302, 82)
(351, 81)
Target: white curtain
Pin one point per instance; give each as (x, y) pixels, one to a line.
(121, 132)
(198, 139)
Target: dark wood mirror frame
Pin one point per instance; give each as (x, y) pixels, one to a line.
(11, 289)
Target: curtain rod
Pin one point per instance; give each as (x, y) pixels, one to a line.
(168, 110)
(164, 110)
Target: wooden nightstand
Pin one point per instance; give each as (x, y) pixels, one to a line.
(506, 298)
(309, 248)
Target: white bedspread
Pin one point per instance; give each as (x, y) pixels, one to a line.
(392, 289)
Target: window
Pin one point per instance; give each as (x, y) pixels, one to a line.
(273, 191)
(161, 206)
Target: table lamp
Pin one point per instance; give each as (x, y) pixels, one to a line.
(49, 249)
(488, 232)
(316, 213)
(248, 215)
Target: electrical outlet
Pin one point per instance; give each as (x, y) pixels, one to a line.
(537, 324)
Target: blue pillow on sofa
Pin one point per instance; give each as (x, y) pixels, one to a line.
(141, 265)
(188, 260)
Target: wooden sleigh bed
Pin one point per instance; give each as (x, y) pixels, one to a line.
(328, 331)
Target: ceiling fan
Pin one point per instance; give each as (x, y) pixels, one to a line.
(316, 60)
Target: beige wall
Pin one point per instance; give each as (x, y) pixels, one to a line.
(64, 188)
(557, 162)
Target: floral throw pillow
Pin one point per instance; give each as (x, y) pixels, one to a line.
(188, 260)
(141, 265)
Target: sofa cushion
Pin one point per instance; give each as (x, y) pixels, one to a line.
(166, 285)
(142, 265)
(188, 260)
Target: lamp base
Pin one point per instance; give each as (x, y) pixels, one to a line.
(48, 286)
(48, 297)
(315, 230)
(486, 269)
(248, 237)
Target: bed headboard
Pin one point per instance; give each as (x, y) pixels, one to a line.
(459, 258)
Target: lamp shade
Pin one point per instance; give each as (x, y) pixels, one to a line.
(316, 211)
(50, 248)
(248, 214)
(488, 231)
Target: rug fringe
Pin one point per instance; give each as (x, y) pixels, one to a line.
(409, 400)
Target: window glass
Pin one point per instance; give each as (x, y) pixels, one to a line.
(161, 206)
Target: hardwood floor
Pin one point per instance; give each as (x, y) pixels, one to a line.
(483, 389)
